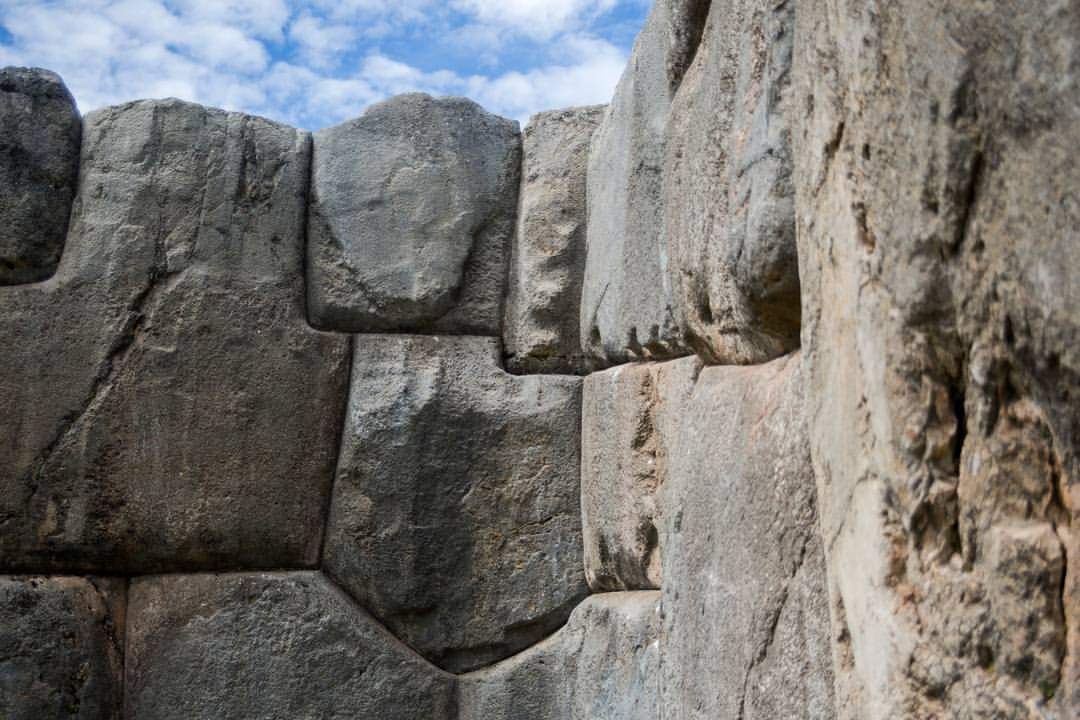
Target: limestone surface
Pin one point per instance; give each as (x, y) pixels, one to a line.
(541, 329)
(456, 512)
(628, 308)
(729, 198)
(746, 611)
(412, 218)
(630, 417)
(40, 131)
(61, 648)
(936, 185)
(166, 406)
(604, 665)
(264, 646)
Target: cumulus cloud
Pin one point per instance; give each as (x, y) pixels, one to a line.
(314, 63)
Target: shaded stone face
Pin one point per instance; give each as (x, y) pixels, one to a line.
(628, 308)
(603, 665)
(412, 218)
(936, 179)
(61, 648)
(746, 610)
(729, 198)
(630, 417)
(40, 131)
(456, 512)
(166, 404)
(541, 328)
(269, 645)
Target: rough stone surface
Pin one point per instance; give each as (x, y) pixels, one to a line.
(729, 199)
(746, 611)
(412, 218)
(456, 513)
(542, 328)
(604, 665)
(628, 308)
(630, 417)
(269, 646)
(166, 405)
(61, 648)
(40, 131)
(937, 205)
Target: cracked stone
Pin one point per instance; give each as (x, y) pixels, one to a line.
(269, 645)
(61, 648)
(168, 406)
(746, 628)
(456, 511)
(604, 665)
(40, 132)
(412, 218)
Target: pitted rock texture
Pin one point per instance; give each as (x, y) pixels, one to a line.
(746, 610)
(61, 648)
(628, 308)
(541, 329)
(604, 665)
(936, 175)
(729, 198)
(166, 404)
(40, 131)
(629, 421)
(269, 646)
(456, 513)
(412, 218)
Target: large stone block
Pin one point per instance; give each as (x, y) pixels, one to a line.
(542, 326)
(412, 218)
(937, 204)
(604, 665)
(61, 648)
(166, 405)
(40, 131)
(263, 646)
(456, 512)
(729, 198)
(628, 308)
(630, 418)
(746, 608)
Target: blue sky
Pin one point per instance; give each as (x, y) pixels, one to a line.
(314, 63)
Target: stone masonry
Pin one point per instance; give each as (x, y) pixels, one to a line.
(751, 395)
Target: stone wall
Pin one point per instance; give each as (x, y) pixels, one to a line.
(752, 394)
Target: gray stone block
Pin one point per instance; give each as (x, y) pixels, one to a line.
(61, 648)
(166, 404)
(412, 218)
(40, 131)
(269, 646)
(456, 512)
(542, 324)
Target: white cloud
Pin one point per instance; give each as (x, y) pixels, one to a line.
(311, 63)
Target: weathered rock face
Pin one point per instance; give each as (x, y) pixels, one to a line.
(61, 648)
(938, 219)
(40, 131)
(631, 415)
(541, 330)
(604, 665)
(628, 308)
(166, 404)
(728, 201)
(456, 512)
(262, 646)
(412, 218)
(746, 612)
